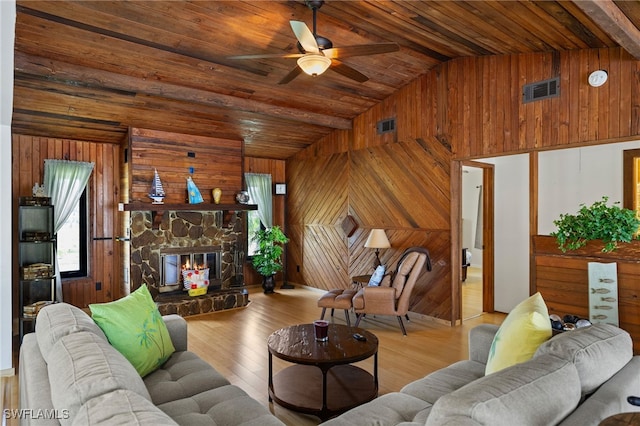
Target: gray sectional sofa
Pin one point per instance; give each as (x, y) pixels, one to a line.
(71, 375)
(576, 378)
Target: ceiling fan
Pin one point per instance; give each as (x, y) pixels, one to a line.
(317, 53)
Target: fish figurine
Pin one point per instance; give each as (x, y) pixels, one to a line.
(606, 280)
(600, 290)
(599, 317)
(603, 307)
(608, 299)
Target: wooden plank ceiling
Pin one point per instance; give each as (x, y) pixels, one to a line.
(88, 70)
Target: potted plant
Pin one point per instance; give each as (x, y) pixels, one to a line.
(267, 259)
(611, 224)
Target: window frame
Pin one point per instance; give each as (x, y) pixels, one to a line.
(83, 242)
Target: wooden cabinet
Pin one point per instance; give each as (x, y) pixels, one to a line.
(36, 257)
(563, 279)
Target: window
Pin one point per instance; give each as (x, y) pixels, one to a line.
(72, 241)
(260, 193)
(253, 226)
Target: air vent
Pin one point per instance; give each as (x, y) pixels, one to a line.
(386, 126)
(541, 90)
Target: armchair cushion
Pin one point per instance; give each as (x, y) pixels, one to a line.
(375, 299)
(405, 268)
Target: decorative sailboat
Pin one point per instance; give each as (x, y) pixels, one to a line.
(157, 191)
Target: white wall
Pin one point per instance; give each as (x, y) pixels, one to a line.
(570, 177)
(566, 178)
(7, 26)
(511, 230)
(471, 180)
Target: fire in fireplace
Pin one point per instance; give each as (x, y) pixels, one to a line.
(178, 263)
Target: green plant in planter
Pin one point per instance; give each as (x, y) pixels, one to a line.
(267, 259)
(611, 224)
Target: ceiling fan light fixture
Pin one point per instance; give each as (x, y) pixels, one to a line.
(314, 65)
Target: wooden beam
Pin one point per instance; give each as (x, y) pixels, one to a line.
(85, 76)
(614, 22)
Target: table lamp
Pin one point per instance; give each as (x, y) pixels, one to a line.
(377, 239)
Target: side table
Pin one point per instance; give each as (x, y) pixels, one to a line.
(322, 381)
(622, 419)
(360, 281)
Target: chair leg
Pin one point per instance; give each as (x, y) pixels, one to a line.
(407, 317)
(322, 314)
(346, 315)
(402, 325)
(332, 311)
(358, 318)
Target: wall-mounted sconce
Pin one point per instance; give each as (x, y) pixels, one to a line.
(598, 78)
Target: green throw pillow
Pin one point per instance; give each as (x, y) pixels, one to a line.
(135, 328)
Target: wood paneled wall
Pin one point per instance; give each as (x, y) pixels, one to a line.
(29, 154)
(485, 115)
(563, 280)
(395, 181)
(466, 108)
(215, 163)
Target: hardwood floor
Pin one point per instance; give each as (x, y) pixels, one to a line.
(472, 294)
(234, 342)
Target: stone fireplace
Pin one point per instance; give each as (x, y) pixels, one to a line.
(189, 239)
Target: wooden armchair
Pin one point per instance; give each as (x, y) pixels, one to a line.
(392, 296)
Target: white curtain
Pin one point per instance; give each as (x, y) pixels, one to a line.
(64, 182)
(259, 188)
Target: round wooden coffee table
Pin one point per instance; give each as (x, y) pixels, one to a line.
(322, 382)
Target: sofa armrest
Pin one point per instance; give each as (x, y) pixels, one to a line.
(480, 339)
(177, 327)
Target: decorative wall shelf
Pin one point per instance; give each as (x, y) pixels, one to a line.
(158, 210)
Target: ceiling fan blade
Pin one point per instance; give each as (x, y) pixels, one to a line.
(361, 50)
(347, 71)
(292, 74)
(305, 36)
(268, 55)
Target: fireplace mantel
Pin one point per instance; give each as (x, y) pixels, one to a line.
(158, 210)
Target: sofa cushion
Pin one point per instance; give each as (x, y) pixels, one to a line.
(445, 380)
(609, 398)
(120, 407)
(226, 405)
(522, 331)
(389, 409)
(83, 366)
(59, 319)
(182, 376)
(598, 352)
(541, 392)
(135, 327)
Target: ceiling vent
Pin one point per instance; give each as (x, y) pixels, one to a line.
(386, 126)
(541, 90)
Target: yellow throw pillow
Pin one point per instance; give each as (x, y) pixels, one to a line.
(525, 328)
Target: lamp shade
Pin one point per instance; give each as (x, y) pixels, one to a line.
(377, 239)
(314, 65)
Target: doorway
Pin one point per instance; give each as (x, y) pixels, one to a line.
(477, 239)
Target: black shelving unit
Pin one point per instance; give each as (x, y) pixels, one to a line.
(36, 257)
